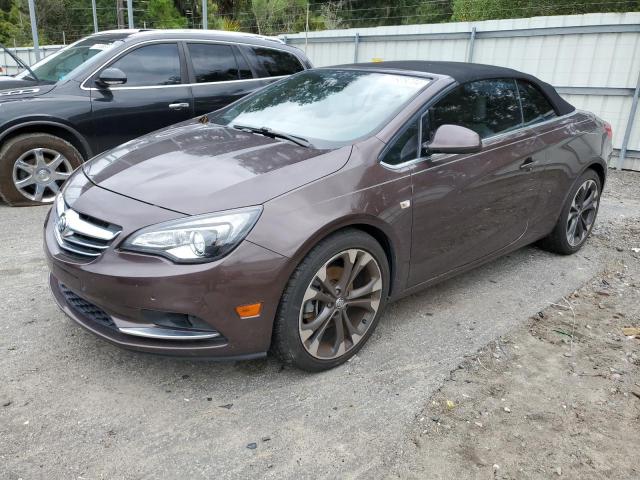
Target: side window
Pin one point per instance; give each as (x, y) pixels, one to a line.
(487, 107)
(275, 63)
(212, 62)
(404, 147)
(157, 64)
(535, 106)
(245, 71)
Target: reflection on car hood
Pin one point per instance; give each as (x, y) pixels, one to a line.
(195, 168)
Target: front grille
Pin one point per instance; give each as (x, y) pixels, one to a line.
(87, 309)
(82, 235)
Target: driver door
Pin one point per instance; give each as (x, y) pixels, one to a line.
(469, 206)
(155, 95)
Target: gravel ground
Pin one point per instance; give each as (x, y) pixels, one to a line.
(72, 406)
(556, 397)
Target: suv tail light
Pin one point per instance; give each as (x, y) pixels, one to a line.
(608, 130)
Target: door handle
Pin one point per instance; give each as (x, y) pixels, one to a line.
(527, 164)
(178, 106)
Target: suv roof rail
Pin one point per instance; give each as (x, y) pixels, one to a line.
(193, 32)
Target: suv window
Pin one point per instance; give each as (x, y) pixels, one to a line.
(212, 62)
(275, 63)
(245, 70)
(535, 106)
(157, 64)
(487, 107)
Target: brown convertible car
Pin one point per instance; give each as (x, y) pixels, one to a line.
(286, 221)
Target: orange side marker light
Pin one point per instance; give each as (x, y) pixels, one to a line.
(249, 311)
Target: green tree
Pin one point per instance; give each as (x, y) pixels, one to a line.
(14, 24)
(162, 14)
(470, 10)
(277, 16)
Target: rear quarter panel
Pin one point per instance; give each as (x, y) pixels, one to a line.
(573, 143)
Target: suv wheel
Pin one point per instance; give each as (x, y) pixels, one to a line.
(333, 302)
(33, 167)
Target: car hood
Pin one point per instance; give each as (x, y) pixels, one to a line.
(195, 168)
(14, 89)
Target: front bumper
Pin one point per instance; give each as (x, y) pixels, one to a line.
(119, 287)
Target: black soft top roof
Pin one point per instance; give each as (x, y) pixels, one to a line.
(463, 72)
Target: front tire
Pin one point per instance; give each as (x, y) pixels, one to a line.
(332, 302)
(34, 166)
(578, 216)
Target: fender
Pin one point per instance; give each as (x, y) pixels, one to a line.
(397, 265)
(20, 123)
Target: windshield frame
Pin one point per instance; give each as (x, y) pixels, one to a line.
(216, 116)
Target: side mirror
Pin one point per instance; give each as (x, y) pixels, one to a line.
(454, 139)
(111, 76)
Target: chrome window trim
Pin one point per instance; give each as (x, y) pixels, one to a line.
(233, 81)
(178, 40)
(408, 163)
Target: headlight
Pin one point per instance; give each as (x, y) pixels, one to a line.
(197, 239)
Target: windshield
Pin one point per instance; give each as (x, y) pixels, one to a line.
(59, 65)
(329, 108)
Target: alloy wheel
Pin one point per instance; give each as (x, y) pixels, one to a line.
(582, 213)
(340, 304)
(39, 173)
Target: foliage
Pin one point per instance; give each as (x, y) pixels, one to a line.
(163, 14)
(70, 20)
(470, 10)
(12, 24)
(275, 16)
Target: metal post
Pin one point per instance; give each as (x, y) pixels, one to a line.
(205, 20)
(306, 31)
(34, 29)
(95, 16)
(472, 40)
(627, 132)
(120, 13)
(356, 42)
(130, 12)
(64, 40)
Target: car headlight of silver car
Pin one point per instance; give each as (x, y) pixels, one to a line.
(196, 239)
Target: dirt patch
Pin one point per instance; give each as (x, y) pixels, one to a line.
(556, 398)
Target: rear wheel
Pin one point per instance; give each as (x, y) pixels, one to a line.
(33, 167)
(332, 302)
(577, 218)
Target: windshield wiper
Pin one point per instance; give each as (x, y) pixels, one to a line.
(20, 62)
(267, 132)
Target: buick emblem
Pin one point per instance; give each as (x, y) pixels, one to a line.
(61, 224)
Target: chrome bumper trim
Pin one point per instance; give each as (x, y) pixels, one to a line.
(162, 333)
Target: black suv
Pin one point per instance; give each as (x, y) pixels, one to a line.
(114, 86)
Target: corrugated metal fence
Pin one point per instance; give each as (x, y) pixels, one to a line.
(593, 60)
(27, 55)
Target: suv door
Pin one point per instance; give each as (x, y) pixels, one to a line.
(219, 75)
(468, 206)
(155, 95)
